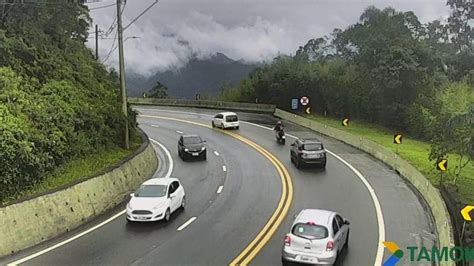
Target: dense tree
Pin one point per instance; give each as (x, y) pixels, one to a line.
(158, 91)
(56, 102)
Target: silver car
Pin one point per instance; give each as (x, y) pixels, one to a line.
(316, 237)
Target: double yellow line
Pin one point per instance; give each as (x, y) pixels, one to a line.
(252, 249)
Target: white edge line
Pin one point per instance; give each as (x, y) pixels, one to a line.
(216, 153)
(224, 168)
(168, 154)
(186, 223)
(66, 241)
(378, 209)
(32, 256)
(219, 190)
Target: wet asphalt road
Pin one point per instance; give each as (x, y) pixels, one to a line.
(228, 221)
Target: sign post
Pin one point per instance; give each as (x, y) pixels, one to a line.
(397, 139)
(442, 166)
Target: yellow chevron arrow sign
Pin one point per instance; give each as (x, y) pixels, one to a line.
(345, 122)
(397, 138)
(465, 212)
(308, 110)
(442, 165)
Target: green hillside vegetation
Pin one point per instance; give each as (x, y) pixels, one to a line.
(416, 152)
(392, 74)
(57, 103)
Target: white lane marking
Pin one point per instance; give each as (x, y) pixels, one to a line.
(224, 168)
(219, 190)
(65, 241)
(168, 154)
(157, 126)
(216, 153)
(180, 132)
(39, 253)
(378, 208)
(186, 224)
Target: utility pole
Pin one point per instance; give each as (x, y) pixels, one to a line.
(123, 89)
(96, 42)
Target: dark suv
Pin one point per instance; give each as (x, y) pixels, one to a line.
(308, 151)
(191, 146)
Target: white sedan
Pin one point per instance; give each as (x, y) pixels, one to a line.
(156, 199)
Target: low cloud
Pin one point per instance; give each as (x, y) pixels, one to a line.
(171, 33)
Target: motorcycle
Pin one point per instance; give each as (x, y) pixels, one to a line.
(280, 136)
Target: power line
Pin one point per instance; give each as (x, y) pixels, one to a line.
(100, 7)
(141, 14)
(112, 49)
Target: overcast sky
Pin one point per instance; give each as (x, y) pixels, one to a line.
(249, 30)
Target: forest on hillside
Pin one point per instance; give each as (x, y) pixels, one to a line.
(57, 102)
(389, 69)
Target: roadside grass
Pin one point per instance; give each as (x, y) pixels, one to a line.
(416, 152)
(78, 169)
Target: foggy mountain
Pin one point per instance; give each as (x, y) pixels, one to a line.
(203, 76)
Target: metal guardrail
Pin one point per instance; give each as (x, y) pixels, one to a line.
(254, 107)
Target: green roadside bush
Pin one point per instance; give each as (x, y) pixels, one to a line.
(57, 103)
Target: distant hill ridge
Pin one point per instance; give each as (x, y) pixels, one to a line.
(203, 76)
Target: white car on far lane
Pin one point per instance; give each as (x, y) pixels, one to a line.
(156, 199)
(226, 120)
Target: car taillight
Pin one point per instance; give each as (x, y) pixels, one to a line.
(329, 246)
(287, 241)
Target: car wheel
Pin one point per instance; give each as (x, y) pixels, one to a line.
(179, 153)
(291, 158)
(167, 215)
(284, 262)
(237, 127)
(297, 163)
(183, 202)
(213, 125)
(346, 244)
(204, 156)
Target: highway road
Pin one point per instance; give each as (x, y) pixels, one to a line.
(232, 196)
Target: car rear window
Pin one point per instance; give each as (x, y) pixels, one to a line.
(231, 118)
(312, 147)
(192, 140)
(311, 231)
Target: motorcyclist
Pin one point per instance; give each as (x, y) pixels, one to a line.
(279, 127)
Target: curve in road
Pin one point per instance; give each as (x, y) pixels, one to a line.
(236, 192)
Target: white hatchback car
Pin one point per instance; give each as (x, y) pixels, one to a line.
(226, 120)
(316, 237)
(156, 199)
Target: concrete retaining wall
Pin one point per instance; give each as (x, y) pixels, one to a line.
(29, 222)
(431, 195)
(253, 107)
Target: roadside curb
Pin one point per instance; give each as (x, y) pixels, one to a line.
(36, 219)
(429, 193)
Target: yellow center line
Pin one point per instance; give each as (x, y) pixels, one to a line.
(269, 229)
